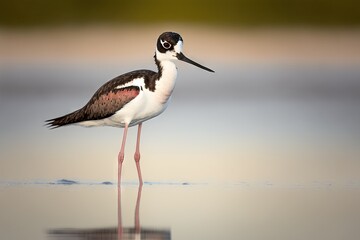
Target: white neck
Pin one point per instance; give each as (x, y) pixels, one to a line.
(168, 76)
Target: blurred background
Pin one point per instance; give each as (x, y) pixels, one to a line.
(282, 106)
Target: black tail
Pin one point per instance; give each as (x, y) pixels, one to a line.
(67, 119)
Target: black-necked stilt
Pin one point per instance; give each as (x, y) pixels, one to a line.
(133, 97)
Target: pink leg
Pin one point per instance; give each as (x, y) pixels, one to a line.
(137, 154)
(137, 211)
(121, 154)
(120, 227)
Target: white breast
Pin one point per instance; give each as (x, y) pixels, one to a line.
(147, 104)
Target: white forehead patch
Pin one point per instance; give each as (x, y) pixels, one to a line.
(179, 46)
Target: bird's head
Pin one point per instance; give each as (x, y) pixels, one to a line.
(169, 47)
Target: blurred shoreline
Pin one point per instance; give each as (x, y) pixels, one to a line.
(107, 44)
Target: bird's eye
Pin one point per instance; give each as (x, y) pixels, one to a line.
(166, 45)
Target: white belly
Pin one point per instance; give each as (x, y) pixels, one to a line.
(144, 107)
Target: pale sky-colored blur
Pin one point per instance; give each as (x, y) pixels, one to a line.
(282, 105)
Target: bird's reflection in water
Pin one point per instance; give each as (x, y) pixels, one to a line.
(119, 233)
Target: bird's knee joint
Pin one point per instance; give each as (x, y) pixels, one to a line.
(121, 157)
(137, 157)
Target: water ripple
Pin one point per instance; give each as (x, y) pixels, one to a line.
(239, 184)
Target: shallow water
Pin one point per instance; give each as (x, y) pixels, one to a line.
(272, 154)
(246, 210)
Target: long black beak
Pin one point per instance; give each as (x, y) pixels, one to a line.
(182, 57)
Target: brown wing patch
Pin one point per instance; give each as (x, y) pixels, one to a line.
(100, 106)
(107, 99)
(109, 103)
